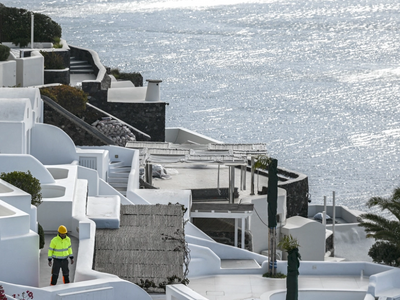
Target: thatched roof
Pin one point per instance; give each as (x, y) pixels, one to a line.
(147, 245)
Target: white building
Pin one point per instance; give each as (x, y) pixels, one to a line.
(26, 144)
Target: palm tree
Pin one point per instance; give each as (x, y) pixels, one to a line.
(386, 232)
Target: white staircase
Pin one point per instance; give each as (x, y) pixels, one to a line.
(118, 176)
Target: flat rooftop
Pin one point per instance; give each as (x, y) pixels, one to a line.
(187, 176)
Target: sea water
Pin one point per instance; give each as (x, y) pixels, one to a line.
(318, 81)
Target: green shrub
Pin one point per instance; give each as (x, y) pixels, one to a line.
(277, 275)
(16, 26)
(72, 99)
(386, 253)
(57, 43)
(4, 53)
(26, 182)
(288, 243)
(41, 236)
(52, 60)
(135, 78)
(47, 92)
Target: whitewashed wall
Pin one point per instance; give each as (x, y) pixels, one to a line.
(20, 200)
(259, 219)
(33, 94)
(19, 247)
(30, 70)
(15, 123)
(24, 163)
(8, 73)
(51, 146)
(310, 235)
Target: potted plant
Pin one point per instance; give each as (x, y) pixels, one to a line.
(291, 246)
(54, 68)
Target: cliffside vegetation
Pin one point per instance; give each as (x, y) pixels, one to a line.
(71, 98)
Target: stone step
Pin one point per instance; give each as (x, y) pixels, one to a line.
(112, 180)
(119, 174)
(239, 264)
(117, 163)
(83, 66)
(120, 169)
(82, 71)
(78, 62)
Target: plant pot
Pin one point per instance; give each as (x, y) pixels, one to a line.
(57, 76)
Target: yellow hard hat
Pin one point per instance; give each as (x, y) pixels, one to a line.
(62, 229)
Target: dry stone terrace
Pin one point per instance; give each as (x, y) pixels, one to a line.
(148, 246)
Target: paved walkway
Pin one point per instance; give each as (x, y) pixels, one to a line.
(251, 287)
(76, 79)
(45, 270)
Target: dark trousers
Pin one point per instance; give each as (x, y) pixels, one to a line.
(57, 265)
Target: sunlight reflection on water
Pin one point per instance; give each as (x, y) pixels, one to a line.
(318, 81)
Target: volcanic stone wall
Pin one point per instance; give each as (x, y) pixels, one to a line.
(147, 117)
(77, 133)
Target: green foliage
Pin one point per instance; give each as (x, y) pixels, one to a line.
(262, 161)
(385, 253)
(277, 275)
(385, 231)
(41, 236)
(52, 60)
(16, 26)
(135, 78)
(288, 243)
(57, 43)
(71, 98)
(4, 53)
(47, 92)
(26, 182)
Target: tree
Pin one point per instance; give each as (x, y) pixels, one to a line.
(386, 232)
(15, 26)
(25, 182)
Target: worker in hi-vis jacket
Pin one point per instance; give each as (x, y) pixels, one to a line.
(59, 251)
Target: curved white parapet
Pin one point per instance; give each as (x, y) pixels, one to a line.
(25, 163)
(52, 191)
(180, 135)
(5, 189)
(104, 211)
(317, 295)
(385, 284)
(52, 146)
(181, 292)
(203, 261)
(58, 173)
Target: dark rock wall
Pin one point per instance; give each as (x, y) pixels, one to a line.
(57, 76)
(147, 117)
(296, 197)
(80, 136)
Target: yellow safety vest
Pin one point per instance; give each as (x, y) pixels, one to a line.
(60, 248)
